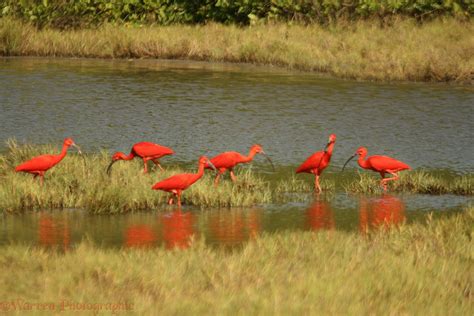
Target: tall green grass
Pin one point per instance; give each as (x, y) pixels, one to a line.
(358, 50)
(418, 181)
(421, 269)
(77, 182)
(81, 182)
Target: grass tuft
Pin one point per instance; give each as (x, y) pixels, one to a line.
(397, 270)
(418, 181)
(358, 50)
(81, 182)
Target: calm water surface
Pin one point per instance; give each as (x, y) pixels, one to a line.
(198, 108)
(169, 227)
(202, 108)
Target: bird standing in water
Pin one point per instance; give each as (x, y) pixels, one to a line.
(146, 151)
(380, 164)
(178, 183)
(228, 160)
(40, 164)
(318, 161)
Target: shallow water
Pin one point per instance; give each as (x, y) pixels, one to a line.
(203, 108)
(198, 108)
(169, 227)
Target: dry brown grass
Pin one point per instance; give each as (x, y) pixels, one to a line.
(441, 50)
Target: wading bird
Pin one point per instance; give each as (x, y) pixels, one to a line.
(318, 161)
(146, 151)
(380, 164)
(179, 182)
(40, 164)
(228, 160)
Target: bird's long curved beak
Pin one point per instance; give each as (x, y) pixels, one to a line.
(327, 145)
(269, 160)
(78, 148)
(211, 165)
(109, 168)
(348, 161)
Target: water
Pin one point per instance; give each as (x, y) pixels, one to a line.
(198, 108)
(170, 228)
(202, 108)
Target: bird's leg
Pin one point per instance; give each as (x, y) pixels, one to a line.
(157, 163)
(179, 198)
(232, 175)
(216, 180)
(171, 201)
(384, 181)
(317, 187)
(145, 165)
(41, 177)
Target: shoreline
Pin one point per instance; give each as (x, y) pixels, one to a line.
(230, 66)
(362, 52)
(81, 182)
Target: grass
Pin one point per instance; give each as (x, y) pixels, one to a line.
(83, 183)
(77, 182)
(358, 50)
(414, 269)
(418, 181)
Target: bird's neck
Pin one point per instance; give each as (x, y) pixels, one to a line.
(201, 170)
(330, 149)
(199, 173)
(130, 156)
(249, 157)
(362, 162)
(63, 152)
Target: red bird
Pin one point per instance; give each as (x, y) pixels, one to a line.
(380, 164)
(228, 160)
(146, 151)
(40, 164)
(178, 183)
(318, 161)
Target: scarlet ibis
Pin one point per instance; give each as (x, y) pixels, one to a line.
(380, 164)
(146, 151)
(228, 160)
(40, 164)
(318, 161)
(178, 183)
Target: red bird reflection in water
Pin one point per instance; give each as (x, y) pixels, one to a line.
(384, 211)
(253, 223)
(320, 216)
(178, 229)
(53, 233)
(233, 227)
(140, 236)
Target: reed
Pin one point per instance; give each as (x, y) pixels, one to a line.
(418, 181)
(81, 182)
(358, 50)
(78, 182)
(414, 269)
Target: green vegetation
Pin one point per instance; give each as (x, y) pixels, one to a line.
(77, 182)
(83, 183)
(414, 182)
(415, 269)
(87, 13)
(357, 50)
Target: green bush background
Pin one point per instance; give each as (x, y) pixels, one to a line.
(65, 14)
